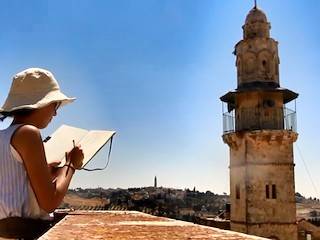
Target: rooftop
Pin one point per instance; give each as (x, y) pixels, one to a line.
(133, 225)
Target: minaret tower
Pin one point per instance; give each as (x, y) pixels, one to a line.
(260, 132)
(155, 182)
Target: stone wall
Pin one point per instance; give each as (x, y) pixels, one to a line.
(305, 228)
(262, 190)
(270, 231)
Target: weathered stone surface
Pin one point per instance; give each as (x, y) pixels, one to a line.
(257, 159)
(305, 228)
(123, 225)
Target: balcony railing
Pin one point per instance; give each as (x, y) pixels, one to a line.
(290, 119)
(228, 122)
(247, 119)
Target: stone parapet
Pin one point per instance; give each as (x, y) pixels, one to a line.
(126, 225)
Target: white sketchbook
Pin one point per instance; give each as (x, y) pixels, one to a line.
(61, 141)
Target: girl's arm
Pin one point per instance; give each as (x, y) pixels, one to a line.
(27, 141)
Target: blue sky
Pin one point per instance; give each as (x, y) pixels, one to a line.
(153, 70)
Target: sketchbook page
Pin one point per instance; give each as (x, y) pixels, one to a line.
(61, 141)
(93, 142)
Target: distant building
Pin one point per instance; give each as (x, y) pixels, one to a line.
(155, 182)
(260, 132)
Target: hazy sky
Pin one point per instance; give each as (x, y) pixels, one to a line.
(153, 70)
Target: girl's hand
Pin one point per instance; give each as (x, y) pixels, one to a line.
(76, 157)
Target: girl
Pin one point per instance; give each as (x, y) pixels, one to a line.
(29, 188)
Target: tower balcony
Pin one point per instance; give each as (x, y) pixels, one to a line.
(250, 119)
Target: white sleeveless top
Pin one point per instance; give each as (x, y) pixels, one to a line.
(17, 198)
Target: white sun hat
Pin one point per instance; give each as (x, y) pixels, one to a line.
(33, 88)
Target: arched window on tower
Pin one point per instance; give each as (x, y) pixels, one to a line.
(249, 62)
(264, 64)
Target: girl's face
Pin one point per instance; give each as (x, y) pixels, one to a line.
(43, 116)
(40, 117)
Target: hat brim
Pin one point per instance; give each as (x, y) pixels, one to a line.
(51, 97)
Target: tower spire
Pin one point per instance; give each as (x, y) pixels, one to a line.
(255, 4)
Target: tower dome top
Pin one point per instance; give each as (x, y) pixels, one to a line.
(256, 24)
(256, 15)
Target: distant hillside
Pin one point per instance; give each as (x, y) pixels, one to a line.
(175, 203)
(301, 199)
(308, 208)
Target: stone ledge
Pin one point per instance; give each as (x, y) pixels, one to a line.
(235, 139)
(123, 225)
